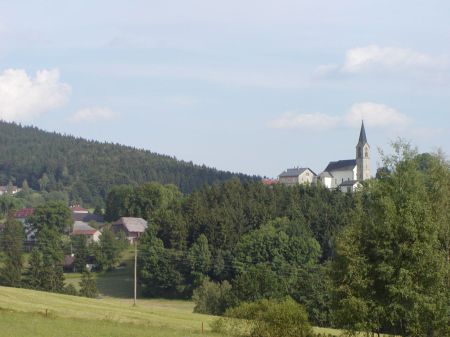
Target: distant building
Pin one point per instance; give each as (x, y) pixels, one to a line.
(83, 228)
(344, 175)
(23, 215)
(78, 209)
(8, 189)
(132, 227)
(297, 176)
(269, 182)
(347, 175)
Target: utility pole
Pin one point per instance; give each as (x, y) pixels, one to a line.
(135, 271)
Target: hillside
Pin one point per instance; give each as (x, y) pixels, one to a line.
(22, 313)
(88, 169)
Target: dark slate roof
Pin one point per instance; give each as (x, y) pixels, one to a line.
(341, 165)
(362, 135)
(349, 183)
(86, 217)
(295, 172)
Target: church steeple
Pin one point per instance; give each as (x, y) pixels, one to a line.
(362, 134)
(363, 155)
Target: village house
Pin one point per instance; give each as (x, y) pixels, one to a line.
(132, 227)
(297, 176)
(82, 228)
(23, 215)
(8, 189)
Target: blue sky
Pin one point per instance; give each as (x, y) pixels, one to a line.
(249, 86)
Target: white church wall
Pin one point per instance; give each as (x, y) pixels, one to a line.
(340, 176)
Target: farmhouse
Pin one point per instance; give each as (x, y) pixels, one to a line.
(296, 176)
(83, 228)
(132, 227)
(9, 190)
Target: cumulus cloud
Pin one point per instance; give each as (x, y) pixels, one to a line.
(373, 114)
(290, 120)
(363, 58)
(23, 97)
(93, 114)
(388, 59)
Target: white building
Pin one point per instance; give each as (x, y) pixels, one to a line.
(297, 176)
(347, 175)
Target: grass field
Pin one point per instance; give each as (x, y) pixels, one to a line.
(24, 310)
(117, 283)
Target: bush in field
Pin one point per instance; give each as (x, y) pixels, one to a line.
(88, 286)
(266, 318)
(212, 298)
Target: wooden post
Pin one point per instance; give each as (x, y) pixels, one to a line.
(135, 271)
(46, 312)
(202, 328)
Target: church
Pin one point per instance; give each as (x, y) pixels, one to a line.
(345, 175)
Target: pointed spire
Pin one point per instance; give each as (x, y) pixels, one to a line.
(362, 135)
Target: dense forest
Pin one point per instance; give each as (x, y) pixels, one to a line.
(86, 170)
(374, 261)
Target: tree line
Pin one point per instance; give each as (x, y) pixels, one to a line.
(84, 170)
(374, 261)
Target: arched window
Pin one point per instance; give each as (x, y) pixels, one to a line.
(366, 154)
(359, 152)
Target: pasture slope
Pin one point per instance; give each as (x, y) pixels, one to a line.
(22, 314)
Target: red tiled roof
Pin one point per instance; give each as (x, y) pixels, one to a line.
(78, 208)
(84, 232)
(269, 182)
(24, 213)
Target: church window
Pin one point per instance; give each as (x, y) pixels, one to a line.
(359, 152)
(367, 153)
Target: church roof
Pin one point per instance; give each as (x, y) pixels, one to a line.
(295, 172)
(362, 135)
(341, 165)
(349, 183)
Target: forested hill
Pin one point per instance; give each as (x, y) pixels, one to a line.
(85, 169)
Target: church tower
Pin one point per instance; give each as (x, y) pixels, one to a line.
(363, 156)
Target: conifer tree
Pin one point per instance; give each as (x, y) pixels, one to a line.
(88, 286)
(12, 246)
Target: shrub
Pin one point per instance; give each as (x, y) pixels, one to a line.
(266, 318)
(212, 298)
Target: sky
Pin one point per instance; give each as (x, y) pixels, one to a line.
(246, 86)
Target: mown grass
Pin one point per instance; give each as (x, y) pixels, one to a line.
(117, 283)
(24, 309)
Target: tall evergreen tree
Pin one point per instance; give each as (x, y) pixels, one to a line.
(390, 271)
(12, 246)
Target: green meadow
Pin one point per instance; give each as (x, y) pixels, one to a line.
(26, 313)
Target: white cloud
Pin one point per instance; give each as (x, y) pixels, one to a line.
(93, 114)
(291, 120)
(373, 114)
(23, 98)
(373, 56)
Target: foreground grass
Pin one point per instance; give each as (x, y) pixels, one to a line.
(24, 311)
